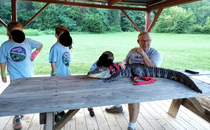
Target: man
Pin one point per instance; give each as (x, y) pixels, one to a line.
(146, 56)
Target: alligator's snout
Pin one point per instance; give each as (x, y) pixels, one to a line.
(101, 72)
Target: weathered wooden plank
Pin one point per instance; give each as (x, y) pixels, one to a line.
(188, 119)
(80, 120)
(101, 121)
(4, 121)
(90, 121)
(35, 123)
(84, 92)
(113, 125)
(147, 115)
(181, 121)
(167, 117)
(158, 117)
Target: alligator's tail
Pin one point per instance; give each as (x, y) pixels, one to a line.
(170, 74)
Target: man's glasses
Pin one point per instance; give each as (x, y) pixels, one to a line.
(144, 41)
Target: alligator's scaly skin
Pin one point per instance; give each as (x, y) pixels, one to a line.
(139, 70)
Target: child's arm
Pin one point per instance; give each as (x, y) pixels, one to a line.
(36, 52)
(3, 76)
(54, 69)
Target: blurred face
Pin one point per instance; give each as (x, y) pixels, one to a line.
(144, 42)
(14, 28)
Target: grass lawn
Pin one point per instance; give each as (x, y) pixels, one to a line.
(179, 51)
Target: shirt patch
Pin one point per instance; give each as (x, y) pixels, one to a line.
(18, 54)
(65, 58)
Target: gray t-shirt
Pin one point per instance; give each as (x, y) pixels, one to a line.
(134, 57)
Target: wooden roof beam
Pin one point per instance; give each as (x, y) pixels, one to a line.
(89, 5)
(154, 20)
(168, 3)
(36, 15)
(2, 22)
(112, 2)
(131, 21)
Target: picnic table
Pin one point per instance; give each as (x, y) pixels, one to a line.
(46, 95)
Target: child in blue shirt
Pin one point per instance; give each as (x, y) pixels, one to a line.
(60, 57)
(106, 59)
(17, 54)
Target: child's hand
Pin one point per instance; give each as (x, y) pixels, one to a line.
(4, 79)
(122, 64)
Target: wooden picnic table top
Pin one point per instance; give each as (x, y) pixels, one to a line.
(48, 94)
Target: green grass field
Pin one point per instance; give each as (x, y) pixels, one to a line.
(179, 51)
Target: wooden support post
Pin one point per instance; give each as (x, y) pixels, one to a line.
(147, 21)
(14, 10)
(131, 21)
(154, 20)
(49, 121)
(65, 119)
(174, 108)
(42, 118)
(36, 15)
(2, 22)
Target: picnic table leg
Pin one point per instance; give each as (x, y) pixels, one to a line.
(49, 121)
(65, 119)
(193, 105)
(174, 108)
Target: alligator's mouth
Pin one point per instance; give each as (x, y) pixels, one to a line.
(101, 72)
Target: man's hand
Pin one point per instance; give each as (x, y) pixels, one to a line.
(122, 64)
(139, 50)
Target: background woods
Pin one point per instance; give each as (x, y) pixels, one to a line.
(189, 18)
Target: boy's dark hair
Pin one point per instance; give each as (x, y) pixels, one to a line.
(106, 59)
(60, 29)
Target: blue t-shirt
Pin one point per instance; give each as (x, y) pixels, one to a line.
(18, 57)
(134, 57)
(61, 56)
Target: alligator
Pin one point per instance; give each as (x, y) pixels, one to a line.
(139, 70)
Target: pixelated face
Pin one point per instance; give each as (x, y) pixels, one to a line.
(144, 42)
(17, 35)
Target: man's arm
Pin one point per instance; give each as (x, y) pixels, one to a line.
(147, 61)
(3, 76)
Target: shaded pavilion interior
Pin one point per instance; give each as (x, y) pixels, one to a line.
(135, 5)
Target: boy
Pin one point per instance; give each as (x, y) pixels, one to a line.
(60, 57)
(16, 54)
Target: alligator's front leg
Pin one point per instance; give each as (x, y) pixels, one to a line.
(114, 77)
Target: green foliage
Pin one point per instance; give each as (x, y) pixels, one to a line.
(206, 27)
(197, 29)
(186, 18)
(93, 23)
(175, 19)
